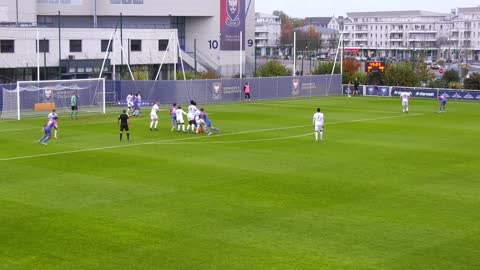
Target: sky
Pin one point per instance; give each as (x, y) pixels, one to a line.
(325, 8)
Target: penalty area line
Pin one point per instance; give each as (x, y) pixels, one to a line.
(173, 141)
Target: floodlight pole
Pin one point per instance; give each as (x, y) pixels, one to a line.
(294, 54)
(241, 54)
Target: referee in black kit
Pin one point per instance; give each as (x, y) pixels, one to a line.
(124, 123)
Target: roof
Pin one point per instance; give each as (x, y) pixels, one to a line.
(319, 29)
(318, 20)
(265, 15)
(401, 13)
(469, 10)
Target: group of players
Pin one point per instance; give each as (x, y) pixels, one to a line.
(198, 120)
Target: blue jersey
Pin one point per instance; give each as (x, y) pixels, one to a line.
(48, 127)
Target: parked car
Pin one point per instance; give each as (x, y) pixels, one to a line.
(435, 66)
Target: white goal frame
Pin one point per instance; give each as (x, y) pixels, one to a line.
(18, 91)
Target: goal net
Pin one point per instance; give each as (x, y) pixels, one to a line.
(32, 98)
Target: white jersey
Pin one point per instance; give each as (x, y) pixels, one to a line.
(129, 100)
(155, 109)
(52, 115)
(318, 119)
(153, 113)
(192, 110)
(405, 96)
(180, 113)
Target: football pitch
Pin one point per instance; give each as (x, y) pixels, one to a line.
(384, 190)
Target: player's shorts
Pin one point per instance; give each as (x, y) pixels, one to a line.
(124, 127)
(74, 108)
(247, 95)
(48, 131)
(404, 103)
(153, 116)
(190, 117)
(192, 122)
(174, 118)
(443, 102)
(200, 122)
(318, 128)
(180, 121)
(208, 123)
(130, 104)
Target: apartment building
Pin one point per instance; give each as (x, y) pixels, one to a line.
(414, 34)
(267, 34)
(72, 37)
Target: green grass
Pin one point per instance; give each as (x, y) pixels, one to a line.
(385, 190)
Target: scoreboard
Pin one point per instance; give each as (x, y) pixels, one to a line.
(374, 66)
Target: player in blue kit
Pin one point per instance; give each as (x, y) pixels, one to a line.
(52, 124)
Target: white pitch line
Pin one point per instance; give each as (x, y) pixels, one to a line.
(196, 138)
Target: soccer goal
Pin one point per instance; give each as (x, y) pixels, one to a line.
(32, 98)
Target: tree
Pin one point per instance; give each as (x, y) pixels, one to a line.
(333, 43)
(326, 68)
(273, 69)
(401, 73)
(424, 74)
(288, 24)
(472, 82)
(376, 78)
(350, 69)
(450, 76)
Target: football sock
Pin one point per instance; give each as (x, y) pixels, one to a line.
(128, 136)
(321, 136)
(156, 124)
(151, 124)
(316, 136)
(121, 135)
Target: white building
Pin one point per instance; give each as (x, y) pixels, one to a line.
(413, 34)
(74, 34)
(267, 34)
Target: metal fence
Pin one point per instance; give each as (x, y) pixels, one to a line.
(215, 91)
(226, 90)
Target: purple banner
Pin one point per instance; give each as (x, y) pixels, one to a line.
(232, 23)
(383, 91)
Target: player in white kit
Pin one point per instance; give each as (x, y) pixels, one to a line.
(154, 116)
(129, 100)
(405, 96)
(192, 110)
(180, 122)
(318, 125)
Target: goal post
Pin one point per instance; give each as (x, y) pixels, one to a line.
(31, 98)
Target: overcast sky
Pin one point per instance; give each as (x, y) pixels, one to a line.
(320, 8)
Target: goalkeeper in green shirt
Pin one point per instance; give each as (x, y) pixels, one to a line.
(74, 103)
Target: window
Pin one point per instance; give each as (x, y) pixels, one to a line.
(44, 45)
(7, 46)
(62, 2)
(104, 45)
(136, 45)
(75, 45)
(162, 44)
(126, 2)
